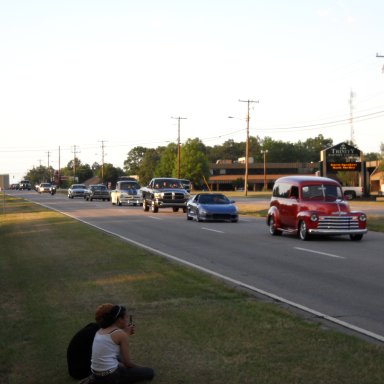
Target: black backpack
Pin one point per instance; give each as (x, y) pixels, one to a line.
(79, 351)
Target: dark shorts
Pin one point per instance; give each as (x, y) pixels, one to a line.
(124, 375)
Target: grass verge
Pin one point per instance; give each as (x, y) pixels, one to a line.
(191, 328)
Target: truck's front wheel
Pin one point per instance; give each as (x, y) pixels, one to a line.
(154, 207)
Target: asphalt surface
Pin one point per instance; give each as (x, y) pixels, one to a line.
(331, 278)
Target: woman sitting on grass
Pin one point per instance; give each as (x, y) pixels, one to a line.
(111, 362)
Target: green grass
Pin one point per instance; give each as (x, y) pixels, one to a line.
(375, 223)
(190, 328)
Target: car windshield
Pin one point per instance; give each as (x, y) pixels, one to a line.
(127, 186)
(321, 192)
(78, 186)
(167, 183)
(213, 199)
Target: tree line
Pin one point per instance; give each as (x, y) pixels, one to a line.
(195, 157)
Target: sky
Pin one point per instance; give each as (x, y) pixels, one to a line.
(91, 77)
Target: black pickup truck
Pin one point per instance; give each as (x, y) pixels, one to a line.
(164, 192)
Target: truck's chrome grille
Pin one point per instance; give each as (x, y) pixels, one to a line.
(173, 196)
(338, 222)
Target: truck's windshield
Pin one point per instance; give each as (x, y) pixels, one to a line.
(129, 185)
(321, 192)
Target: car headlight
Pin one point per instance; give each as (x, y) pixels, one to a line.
(363, 217)
(202, 211)
(158, 195)
(314, 217)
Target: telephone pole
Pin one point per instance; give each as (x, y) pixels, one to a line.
(178, 143)
(49, 172)
(58, 172)
(102, 160)
(247, 146)
(74, 163)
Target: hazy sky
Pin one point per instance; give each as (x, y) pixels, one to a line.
(78, 73)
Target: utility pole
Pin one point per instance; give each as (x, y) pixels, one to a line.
(74, 163)
(247, 146)
(58, 172)
(49, 173)
(178, 143)
(102, 160)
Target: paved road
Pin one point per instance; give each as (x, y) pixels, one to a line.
(332, 277)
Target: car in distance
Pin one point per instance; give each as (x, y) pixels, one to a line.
(164, 192)
(44, 188)
(97, 192)
(211, 207)
(127, 192)
(311, 205)
(24, 185)
(76, 190)
(187, 185)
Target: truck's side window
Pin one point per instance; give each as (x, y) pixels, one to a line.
(281, 190)
(294, 192)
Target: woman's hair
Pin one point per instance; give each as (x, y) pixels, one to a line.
(101, 311)
(108, 318)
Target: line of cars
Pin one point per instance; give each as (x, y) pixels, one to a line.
(162, 192)
(303, 205)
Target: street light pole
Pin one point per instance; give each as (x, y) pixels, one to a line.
(264, 152)
(178, 144)
(247, 147)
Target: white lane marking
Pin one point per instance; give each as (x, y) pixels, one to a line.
(155, 217)
(229, 279)
(319, 253)
(212, 230)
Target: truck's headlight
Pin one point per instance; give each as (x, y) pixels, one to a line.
(363, 217)
(158, 195)
(314, 217)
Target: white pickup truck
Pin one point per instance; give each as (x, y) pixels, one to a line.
(127, 192)
(352, 192)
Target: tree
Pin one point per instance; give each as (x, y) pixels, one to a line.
(279, 151)
(309, 150)
(148, 164)
(110, 173)
(75, 168)
(168, 160)
(133, 162)
(229, 150)
(194, 164)
(371, 156)
(39, 175)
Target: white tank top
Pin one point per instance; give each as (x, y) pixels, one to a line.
(105, 353)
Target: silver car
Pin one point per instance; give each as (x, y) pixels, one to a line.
(76, 190)
(44, 188)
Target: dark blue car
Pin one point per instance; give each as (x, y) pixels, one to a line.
(211, 207)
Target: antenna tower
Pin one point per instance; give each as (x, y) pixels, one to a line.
(351, 96)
